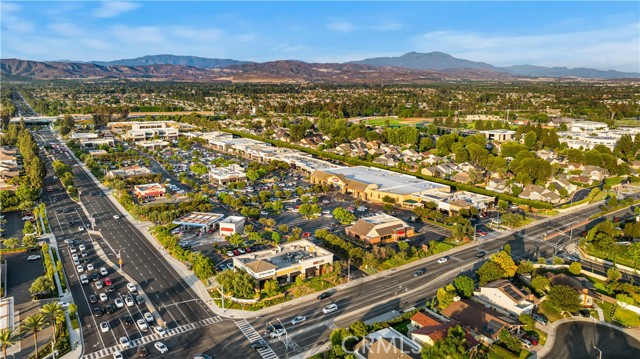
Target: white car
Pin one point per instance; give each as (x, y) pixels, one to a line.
(148, 317)
(119, 303)
(115, 216)
(230, 254)
(103, 271)
(442, 260)
(117, 355)
(298, 319)
(125, 342)
(160, 330)
(142, 324)
(264, 213)
(277, 333)
(34, 257)
(82, 248)
(330, 308)
(132, 287)
(81, 228)
(64, 305)
(74, 256)
(103, 297)
(104, 327)
(161, 347)
(129, 301)
(99, 285)
(90, 267)
(27, 218)
(80, 268)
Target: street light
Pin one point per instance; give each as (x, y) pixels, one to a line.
(599, 355)
(120, 258)
(286, 339)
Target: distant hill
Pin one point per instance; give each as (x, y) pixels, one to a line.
(442, 61)
(193, 61)
(426, 61)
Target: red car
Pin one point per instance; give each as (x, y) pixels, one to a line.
(482, 233)
(306, 234)
(236, 252)
(533, 340)
(107, 282)
(248, 250)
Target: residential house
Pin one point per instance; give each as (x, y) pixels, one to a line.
(387, 343)
(461, 177)
(446, 169)
(375, 145)
(387, 160)
(535, 192)
(468, 167)
(595, 173)
(427, 330)
(484, 323)
(429, 171)
(498, 185)
(546, 154)
(411, 155)
(563, 183)
(584, 288)
(504, 295)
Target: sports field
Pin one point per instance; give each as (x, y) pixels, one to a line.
(393, 121)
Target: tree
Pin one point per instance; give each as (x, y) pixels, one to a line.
(277, 206)
(489, 272)
(575, 268)
(51, 311)
(453, 346)
(564, 298)
(530, 140)
(29, 241)
(464, 285)
(271, 288)
(445, 296)
(41, 284)
(509, 341)
(540, 284)
(11, 242)
(34, 323)
(199, 169)
(276, 237)
(387, 207)
(525, 266)
(8, 338)
(344, 216)
(235, 239)
(528, 321)
(505, 262)
(613, 274)
(238, 283)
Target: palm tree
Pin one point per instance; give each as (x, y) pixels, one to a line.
(8, 337)
(51, 312)
(34, 323)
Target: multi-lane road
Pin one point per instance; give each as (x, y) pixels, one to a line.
(198, 329)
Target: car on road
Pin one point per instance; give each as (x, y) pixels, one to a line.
(80, 228)
(115, 216)
(93, 299)
(161, 347)
(159, 330)
(330, 308)
(132, 287)
(298, 319)
(258, 344)
(142, 324)
(129, 301)
(107, 282)
(419, 272)
(103, 297)
(306, 234)
(277, 333)
(80, 268)
(117, 355)
(142, 351)
(443, 260)
(99, 285)
(103, 271)
(148, 317)
(125, 342)
(324, 295)
(481, 254)
(34, 257)
(119, 303)
(98, 312)
(202, 356)
(104, 327)
(90, 267)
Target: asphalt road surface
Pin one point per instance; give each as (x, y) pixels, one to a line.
(580, 338)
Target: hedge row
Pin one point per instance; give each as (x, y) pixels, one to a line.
(358, 162)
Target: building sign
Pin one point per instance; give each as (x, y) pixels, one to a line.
(335, 179)
(267, 273)
(226, 229)
(400, 232)
(318, 262)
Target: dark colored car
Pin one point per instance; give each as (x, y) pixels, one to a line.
(110, 308)
(33, 249)
(128, 320)
(540, 319)
(419, 272)
(324, 295)
(139, 300)
(585, 313)
(98, 312)
(93, 299)
(258, 344)
(110, 289)
(142, 351)
(273, 328)
(95, 276)
(481, 254)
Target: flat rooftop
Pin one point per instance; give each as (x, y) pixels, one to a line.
(387, 181)
(286, 255)
(380, 218)
(198, 219)
(233, 219)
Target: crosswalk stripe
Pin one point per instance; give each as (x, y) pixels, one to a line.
(155, 336)
(250, 333)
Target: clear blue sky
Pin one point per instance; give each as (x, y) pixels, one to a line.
(603, 35)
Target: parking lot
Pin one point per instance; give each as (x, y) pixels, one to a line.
(20, 275)
(12, 224)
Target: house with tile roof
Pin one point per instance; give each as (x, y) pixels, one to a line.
(380, 228)
(485, 323)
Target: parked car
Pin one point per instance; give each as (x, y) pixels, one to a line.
(540, 319)
(132, 287)
(107, 281)
(324, 295)
(148, 317)
(159, 330)
(129, 301)
(93, 299)
(139, 300)
(90, 267)
(104, 327)
(128, 320)
(142, 325)
(98, 312)
(110, 308)
(525, 342)
(125, 342)
(103, 297)
(103, 271)
(119, 303)
(99, 285)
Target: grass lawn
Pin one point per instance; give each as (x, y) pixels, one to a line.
(402, 327)
(441, 247)
(499, 352)
(382, 121)
(622, 316)
(549, 311)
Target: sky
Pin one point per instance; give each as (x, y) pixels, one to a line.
(603, 35)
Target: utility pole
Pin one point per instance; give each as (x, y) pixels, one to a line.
(349, 270)
(286, 340)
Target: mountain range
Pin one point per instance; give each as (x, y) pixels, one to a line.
(409, 68)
